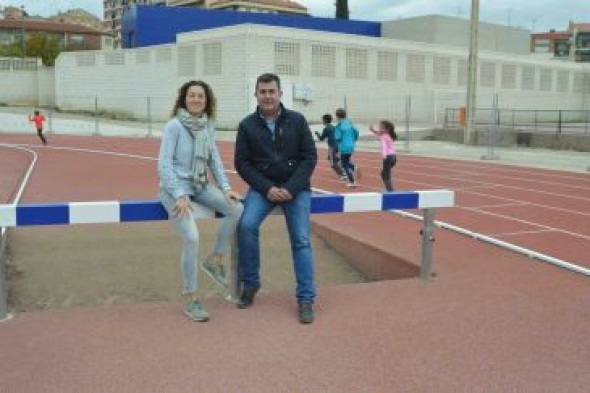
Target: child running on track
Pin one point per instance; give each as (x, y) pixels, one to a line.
(387, 137)
(38, 119)
(333, 154)
(346, 136)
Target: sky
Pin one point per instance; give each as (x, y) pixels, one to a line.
(535, 15)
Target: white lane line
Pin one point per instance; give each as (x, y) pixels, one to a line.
(528, 223)
(508, 234)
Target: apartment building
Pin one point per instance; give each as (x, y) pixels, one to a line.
(113, 11)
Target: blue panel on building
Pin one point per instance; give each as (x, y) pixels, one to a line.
(154, 25)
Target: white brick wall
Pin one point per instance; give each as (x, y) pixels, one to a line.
(249, 50)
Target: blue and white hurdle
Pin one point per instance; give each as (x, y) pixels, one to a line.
(135, 211)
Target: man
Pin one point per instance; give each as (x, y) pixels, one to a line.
(275, 154)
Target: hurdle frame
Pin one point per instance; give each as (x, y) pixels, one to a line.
(71, 213)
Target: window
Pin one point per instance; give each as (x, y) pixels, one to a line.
(508, 76)
(387, 66)
(546, 79)
(441, 70)
(541, 46)
(114, 58)
(563, 81)
(86, 59)
(212, 58)
(286, 58)
(487, 74)
(187, 60)
(323, 61)
(415, 68)
(528, 78)
(356, 63)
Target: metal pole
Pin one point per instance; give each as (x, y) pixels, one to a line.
(472, 76)
(149, 116)
(427, 241)
(96, 116)
(4, 315)
(234, 294)
(408, 113)
(493, 130)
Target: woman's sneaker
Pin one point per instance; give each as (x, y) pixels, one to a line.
(196, 312)
(216, 271)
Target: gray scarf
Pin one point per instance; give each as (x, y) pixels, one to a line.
(202, 144)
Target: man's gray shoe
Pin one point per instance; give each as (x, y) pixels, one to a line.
(216, 271)
(305, 313)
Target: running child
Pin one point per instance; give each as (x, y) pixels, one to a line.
(387, 136)
(38, 119)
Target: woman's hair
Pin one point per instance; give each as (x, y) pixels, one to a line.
(36, 113)
(327, 118)
(183, 91)
(387, 125)
(341, 113)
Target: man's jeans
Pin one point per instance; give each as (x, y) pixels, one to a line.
(297, 215)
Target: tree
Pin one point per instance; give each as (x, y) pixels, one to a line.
(341, 9)
(44, 46)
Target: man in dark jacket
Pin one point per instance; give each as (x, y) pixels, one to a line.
(276, 155)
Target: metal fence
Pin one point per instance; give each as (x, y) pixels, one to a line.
(573, 122)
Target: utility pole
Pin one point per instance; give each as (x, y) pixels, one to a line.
(22, 37)
(472, 76)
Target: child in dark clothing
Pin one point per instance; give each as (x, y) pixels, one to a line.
(333, 155)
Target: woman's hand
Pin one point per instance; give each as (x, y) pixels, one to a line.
(232, 196)
(182, 207)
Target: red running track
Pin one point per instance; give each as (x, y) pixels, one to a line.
(547, 211)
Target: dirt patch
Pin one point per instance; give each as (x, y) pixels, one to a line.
(88, 265)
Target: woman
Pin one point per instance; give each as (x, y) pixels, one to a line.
(187, 150)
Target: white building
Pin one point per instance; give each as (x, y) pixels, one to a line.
(372, 77)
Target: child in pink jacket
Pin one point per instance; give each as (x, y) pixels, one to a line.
(387, 136)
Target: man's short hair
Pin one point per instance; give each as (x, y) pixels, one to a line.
(327, 118)
(267, 78)
(341, 113)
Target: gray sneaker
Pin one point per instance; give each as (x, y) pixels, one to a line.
(196, 312)
(216, 271)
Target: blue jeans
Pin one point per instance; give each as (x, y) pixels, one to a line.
(297, 215)
(213, 198)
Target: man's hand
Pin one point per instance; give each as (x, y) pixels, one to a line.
(277, 194)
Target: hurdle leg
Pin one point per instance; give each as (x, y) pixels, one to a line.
(234, 283)
(4, 315)
(427, 244)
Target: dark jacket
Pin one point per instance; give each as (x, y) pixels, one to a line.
(328, 132)
(285, 160)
